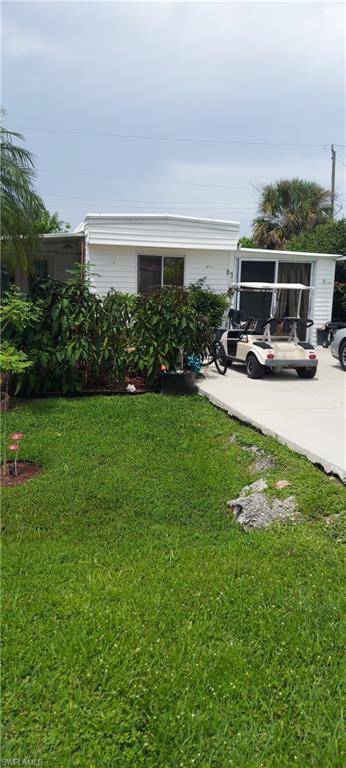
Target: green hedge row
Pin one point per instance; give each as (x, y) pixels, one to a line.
(79, 340)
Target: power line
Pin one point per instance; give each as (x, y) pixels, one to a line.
(162, 204)
(184, 204)
(174, 138)
(159, 202)
(149, 209)
(141, 179)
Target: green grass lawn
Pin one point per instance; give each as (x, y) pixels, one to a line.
(141, 625)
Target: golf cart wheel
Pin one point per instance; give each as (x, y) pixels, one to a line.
(220, 359)
(342, 355)
(306, 373)
(325, 343)
(254, 369)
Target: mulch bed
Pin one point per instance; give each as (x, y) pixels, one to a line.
(116, 388)
(26, 470)
(99, 388)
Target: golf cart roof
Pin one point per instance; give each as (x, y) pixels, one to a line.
(269, 286)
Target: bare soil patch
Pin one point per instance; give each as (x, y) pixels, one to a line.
(25, 471)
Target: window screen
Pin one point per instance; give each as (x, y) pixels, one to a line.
(150, 269)
(173, 270)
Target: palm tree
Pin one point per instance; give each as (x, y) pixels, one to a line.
(287, 208)
(21, 207)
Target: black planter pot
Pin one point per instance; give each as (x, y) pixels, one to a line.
(173, 383)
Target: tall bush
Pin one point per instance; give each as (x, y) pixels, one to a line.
(117, 312)
(166, 326)
(16, 314)
(78, 340)
(208, 303)
(75, 343)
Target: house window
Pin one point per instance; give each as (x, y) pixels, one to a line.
(156, 271)
(41, 268)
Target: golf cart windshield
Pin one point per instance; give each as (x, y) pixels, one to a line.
(282, 307)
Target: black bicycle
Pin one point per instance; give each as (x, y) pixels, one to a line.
(215, 353)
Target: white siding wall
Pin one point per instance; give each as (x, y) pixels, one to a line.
(322, 300)
(116, 266)
(161, 231)
(113, 267)
(212, 265)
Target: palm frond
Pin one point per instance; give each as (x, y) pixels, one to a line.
(287, 208)
(21, 206)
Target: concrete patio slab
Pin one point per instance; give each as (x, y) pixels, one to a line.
(307, 415)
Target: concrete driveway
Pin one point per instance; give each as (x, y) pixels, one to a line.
(307, 415)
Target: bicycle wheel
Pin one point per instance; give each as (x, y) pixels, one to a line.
(220, 358)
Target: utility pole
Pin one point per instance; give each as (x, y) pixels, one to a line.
(332, 190)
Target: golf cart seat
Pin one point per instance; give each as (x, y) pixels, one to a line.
(235, 316)
(257, 326)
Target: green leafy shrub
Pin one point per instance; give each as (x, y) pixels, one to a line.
(16, 314)
(247, 242)
(13, 360)
(71, 344)
(65, 343)
(76, 339)
(165, 327)
(79, 340)
(208, 303)
(117, 312)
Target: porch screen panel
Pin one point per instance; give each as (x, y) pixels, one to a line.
(256, 305)
(149, 273)
(293, 273)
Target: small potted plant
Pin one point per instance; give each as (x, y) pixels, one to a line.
(181, 380)
(169, 336)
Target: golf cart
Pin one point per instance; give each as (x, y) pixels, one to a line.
(269, 344)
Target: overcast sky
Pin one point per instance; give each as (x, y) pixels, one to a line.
(270, 74)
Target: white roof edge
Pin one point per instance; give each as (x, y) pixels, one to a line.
(166, 244)
(289, 253)
(52, 235)
(175, 216)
